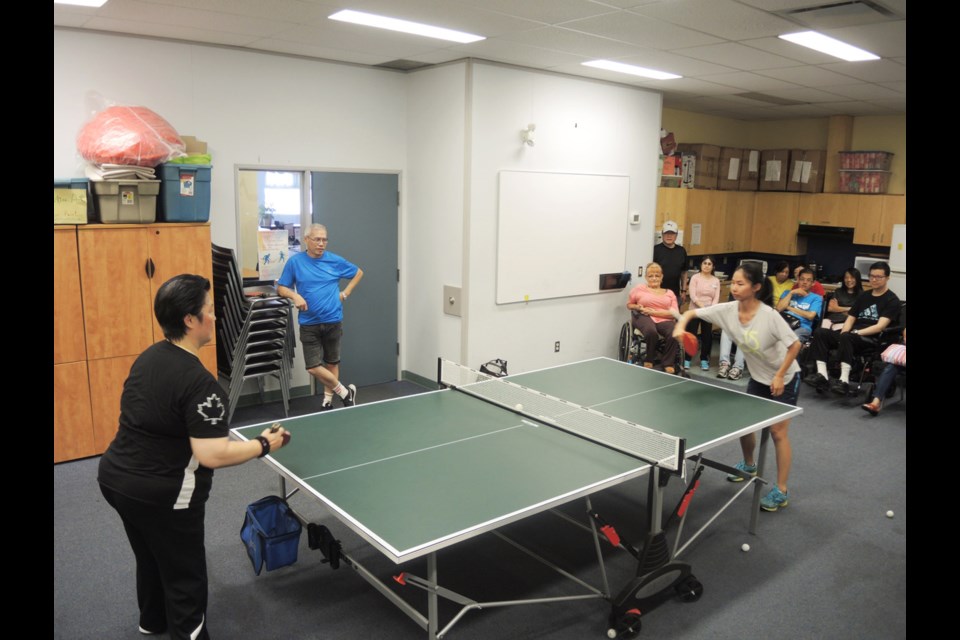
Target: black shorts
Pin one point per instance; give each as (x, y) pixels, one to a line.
(791, 388)
(321, 343)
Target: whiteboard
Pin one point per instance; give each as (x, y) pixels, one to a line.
(557, 232)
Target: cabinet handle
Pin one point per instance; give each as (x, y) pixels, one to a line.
(150, 268)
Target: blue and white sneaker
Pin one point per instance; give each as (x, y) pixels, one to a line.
(774, 500)
(746, 468)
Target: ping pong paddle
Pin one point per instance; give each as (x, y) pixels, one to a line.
(690, 343)
(276, 427)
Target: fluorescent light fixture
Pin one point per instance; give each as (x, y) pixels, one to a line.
(610, 65)
(394, 24)
(828, 45)
(83, 3)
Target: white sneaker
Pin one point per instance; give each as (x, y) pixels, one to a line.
(735, 373)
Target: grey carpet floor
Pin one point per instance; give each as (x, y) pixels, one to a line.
(831, 565)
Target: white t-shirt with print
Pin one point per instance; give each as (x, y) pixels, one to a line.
(764, 341)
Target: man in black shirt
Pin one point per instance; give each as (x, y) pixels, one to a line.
(871, 313)
(158, 470)
(672, 258)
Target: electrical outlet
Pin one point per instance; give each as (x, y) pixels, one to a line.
(556, 347)
(640, 271)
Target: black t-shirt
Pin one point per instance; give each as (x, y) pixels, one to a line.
(673, 261)
(845, 299)
(168, 398)
(868, 309)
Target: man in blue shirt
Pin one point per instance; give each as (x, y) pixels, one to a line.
(802, 304)
(311, 279)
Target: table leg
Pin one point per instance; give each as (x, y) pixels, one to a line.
(757, 485)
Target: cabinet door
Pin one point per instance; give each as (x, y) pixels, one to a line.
(828, 209)
(176, 249)
(117, 306)
(106, 380)
(672, 205)
(68, 339)
(893, 211)
(705, 208)
(775, 220)
(738, 220)
(72, 420)
(869, 220)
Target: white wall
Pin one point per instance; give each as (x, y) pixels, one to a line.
(449, 130)
(250, 108)
(581, 127)
(432, 234)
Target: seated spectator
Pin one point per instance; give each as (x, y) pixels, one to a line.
(654, 311)
(895, 357)
(801, 304)
(781, 279)
(817, 288)
(842, 299)
(870, 314)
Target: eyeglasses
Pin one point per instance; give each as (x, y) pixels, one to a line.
(321, 240)
(874, 276)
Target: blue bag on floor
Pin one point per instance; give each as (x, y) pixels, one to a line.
(271, 533)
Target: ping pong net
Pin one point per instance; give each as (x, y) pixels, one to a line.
(616, 433)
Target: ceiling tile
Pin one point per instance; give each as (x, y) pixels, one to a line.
(871, 70)
(738, 56)
(641, 30)
(722, 18)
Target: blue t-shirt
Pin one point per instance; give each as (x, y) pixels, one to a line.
(809, 302)
(318, 281)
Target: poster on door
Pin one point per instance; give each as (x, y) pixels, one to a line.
(272, 252)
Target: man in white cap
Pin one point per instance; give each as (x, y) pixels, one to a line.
(672, 258)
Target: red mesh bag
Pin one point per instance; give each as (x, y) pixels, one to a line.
(128, 135)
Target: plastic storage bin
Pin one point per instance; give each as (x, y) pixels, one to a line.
(865, 160)
(185, 194)
(864, 181)
(69, 211)
(127, 201)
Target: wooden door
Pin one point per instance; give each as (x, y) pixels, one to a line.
(869, 220)
(72, 419)
(738, 220)
(69, 344)
(117, 307)
(106, 380)
(177, 249)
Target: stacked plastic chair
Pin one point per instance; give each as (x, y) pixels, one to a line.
(255, 338)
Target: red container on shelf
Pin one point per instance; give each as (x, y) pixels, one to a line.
(865, 160)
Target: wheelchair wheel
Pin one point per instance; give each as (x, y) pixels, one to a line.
(623, 349)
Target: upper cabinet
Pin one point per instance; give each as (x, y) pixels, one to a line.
(876, 216)
(829, 209)
(775, 219)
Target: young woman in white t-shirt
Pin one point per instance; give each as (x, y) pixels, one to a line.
(770, 348)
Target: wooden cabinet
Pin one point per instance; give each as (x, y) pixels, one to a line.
(766, 222)
(724, 218)
(829, 209)
(775, 219)
(107, 308)
(876, 216)
(738, 221)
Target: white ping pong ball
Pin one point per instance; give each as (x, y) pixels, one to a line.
(745, 547)
(889, 514)
(519, 407)
(611, 633)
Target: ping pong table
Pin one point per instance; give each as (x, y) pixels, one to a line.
(414, 475)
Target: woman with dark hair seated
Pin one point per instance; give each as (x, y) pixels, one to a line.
(842, 300)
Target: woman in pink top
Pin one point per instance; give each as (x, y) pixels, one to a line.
(654, 311)
(704, 291)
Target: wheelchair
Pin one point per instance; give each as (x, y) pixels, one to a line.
(632, 348)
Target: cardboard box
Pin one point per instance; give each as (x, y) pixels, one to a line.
(750, 170)
(775, 168)
(194, 146)
(806, 171)
(701, 163)
(729, 174)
